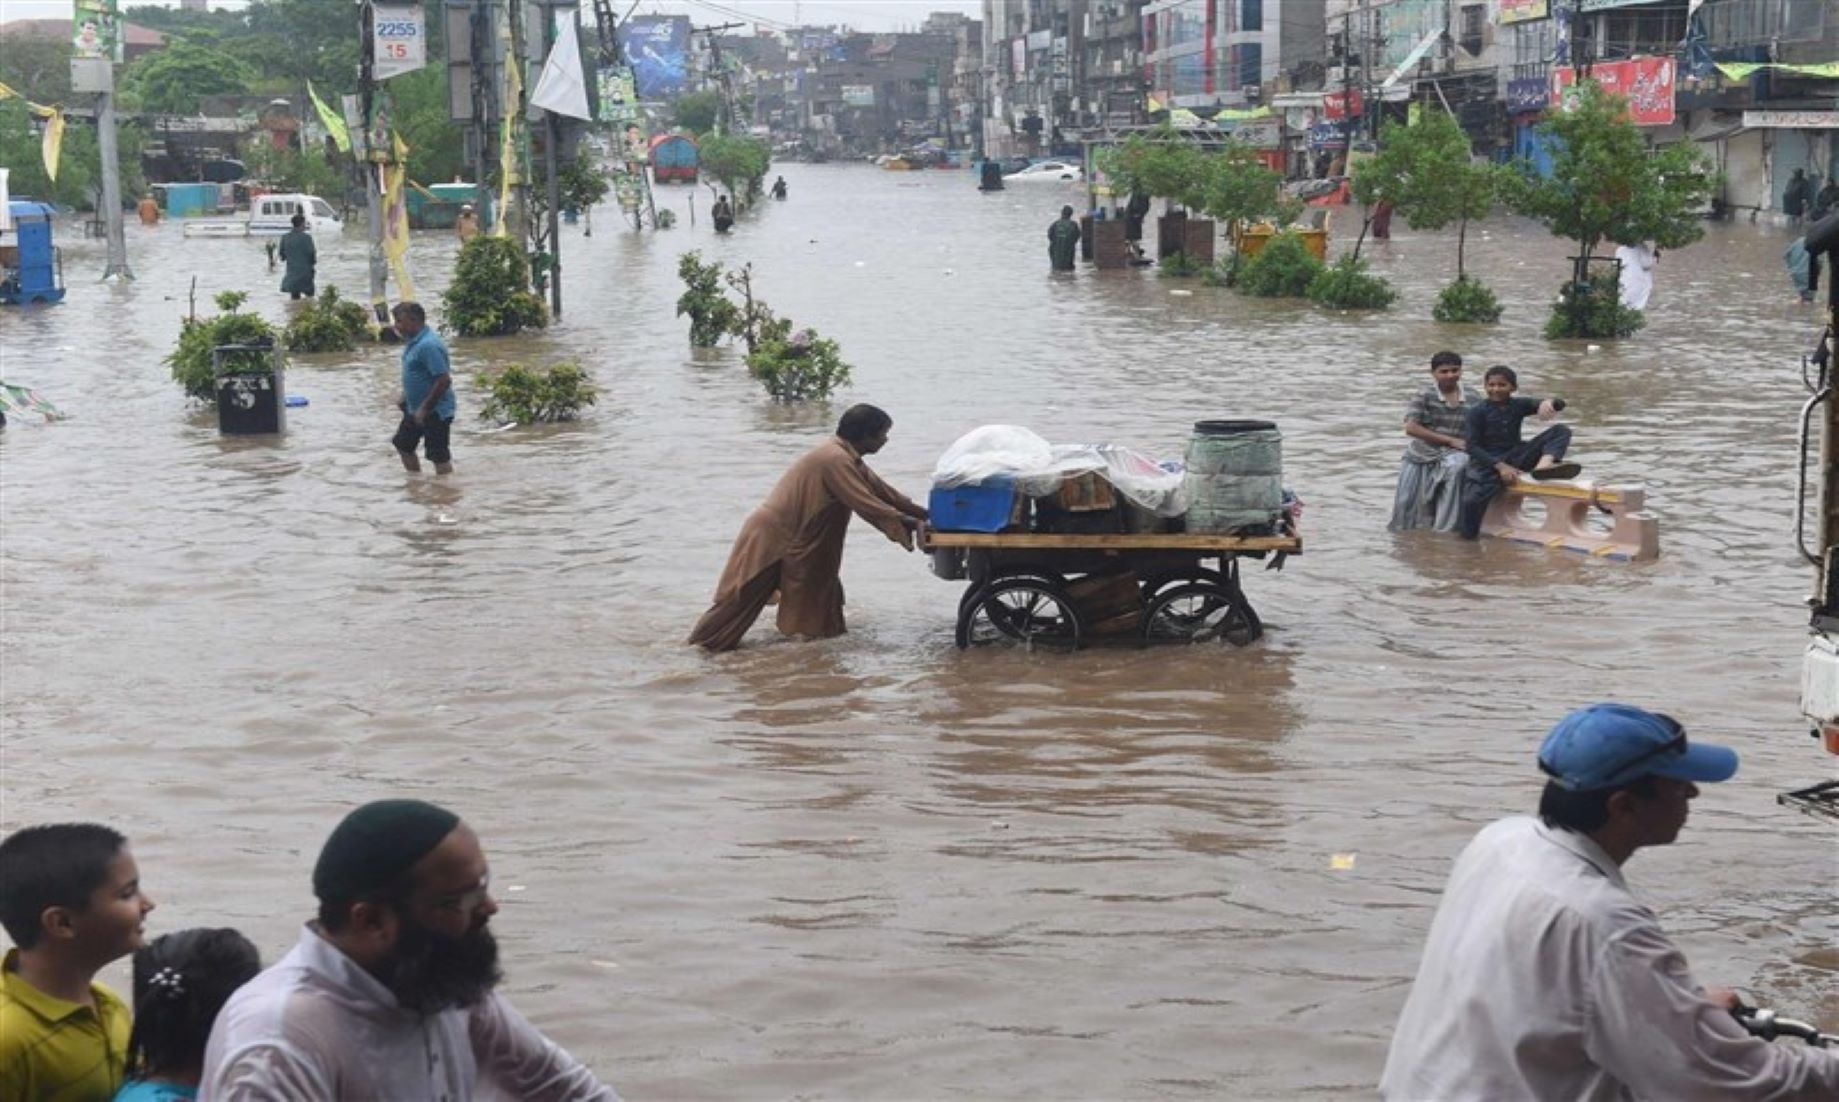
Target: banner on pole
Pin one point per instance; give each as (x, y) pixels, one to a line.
(399, 34)
(96, 31)
(1646, 82)
(657, 50)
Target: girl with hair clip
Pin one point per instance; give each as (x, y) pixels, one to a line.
(181, 981)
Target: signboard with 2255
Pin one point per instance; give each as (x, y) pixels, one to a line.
(399, 40)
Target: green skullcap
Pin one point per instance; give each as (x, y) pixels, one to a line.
(376, 844)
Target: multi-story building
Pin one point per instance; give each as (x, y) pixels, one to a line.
(1111, 89)
(1227, 53)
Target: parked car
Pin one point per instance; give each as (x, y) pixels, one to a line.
(1047, 170)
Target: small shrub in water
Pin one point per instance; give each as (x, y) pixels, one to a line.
(1222, 273)
(1283, 269)
(490, 295)
(327, 324)
(192, 364)
(1467, 300)
(795, 367)
(1347, 285)
(1179, 266)
(712, 314)
(527, 396)
(1592, 310)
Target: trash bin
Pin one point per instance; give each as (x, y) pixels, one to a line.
(251, 390)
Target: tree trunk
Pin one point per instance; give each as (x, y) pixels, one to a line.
(1366, 221)
(1462, 239)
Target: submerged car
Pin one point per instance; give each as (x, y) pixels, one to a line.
(1047, 170)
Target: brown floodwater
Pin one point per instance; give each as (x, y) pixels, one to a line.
(878, 867)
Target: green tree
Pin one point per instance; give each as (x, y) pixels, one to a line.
(1608, 186)
(294, 41)
(1427, 172)
(1235, 188)
(37, 68)
(303, 170)
(437, 147)
(79, 162)
(174, 80)
(738, 164)
(1162, 164)
(697, 111)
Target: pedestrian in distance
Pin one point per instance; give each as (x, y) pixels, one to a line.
(71, 901)
(793, 544)
(1544, 977)
(722, 213)
(1429, 491)
(391, 993)
(301, 258)
(1497, 457)
(427, 405)
(1063, 241)
(1797, 196)
(1827, 201)
(1636, 273)
(1803, 269)
(466, 226)
(181, 981)
(779, 189)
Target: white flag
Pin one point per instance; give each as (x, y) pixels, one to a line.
(561, 88)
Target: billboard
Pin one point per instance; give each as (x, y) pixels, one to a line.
(858, 95)
(1646, 82)
(96, 31)
(1521, 11)
(400, 40)
(657, 50)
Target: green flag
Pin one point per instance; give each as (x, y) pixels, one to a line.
(329, 119)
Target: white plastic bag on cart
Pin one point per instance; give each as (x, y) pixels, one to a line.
(1037, 468)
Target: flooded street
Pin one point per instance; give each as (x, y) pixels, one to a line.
(878, 867)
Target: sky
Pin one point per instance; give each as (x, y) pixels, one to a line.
(863, 15)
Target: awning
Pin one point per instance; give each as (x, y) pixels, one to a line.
(1411, 59)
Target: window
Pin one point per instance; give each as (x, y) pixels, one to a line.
(1636, 31)
(1251, 15)
(1247, 66)
(1474, 21)
(322, 209)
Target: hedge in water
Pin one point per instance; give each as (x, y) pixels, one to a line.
(327, 324)
(1467, 300)
(490, 295)
(528, 396)
(1284, 269)
(1347, 285)
(712, 315)
(192, 363)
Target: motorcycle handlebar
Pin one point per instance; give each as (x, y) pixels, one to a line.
(1768, 1025)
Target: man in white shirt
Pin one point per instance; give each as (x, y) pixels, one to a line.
(1543, 978)
(389, 995)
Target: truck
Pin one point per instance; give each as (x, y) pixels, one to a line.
(271, 216)
(1820, 661)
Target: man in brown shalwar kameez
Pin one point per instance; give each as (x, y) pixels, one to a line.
(793, 544)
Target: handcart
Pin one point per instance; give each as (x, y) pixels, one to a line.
(1058, 591)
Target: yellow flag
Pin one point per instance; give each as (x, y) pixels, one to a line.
(54, 142)
(396, 218)
(507, 154)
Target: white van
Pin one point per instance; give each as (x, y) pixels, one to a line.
(274, 214)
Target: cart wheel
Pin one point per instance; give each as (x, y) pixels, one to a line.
(1032, 611)
(1161, 583)
(1200, 612)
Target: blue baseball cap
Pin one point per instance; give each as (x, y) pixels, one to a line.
(1608, 745)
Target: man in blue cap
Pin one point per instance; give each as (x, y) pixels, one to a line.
(1545, 978)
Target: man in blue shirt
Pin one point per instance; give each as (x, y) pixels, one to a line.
(427, 391)
(1496, 455)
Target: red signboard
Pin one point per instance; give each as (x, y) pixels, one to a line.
(1340, 105)
(1646, 82)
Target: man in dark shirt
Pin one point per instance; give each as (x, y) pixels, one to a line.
(1496, 455)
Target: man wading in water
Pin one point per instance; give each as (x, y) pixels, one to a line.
(1062, 240)
(794, 542)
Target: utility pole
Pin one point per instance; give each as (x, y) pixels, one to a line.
(725, 117)
(552, 138)
(117, 270)
(373, 198)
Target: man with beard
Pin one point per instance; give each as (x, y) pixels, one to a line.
(390, 994)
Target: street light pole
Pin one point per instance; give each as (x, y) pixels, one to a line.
(373, 201)
(117, 270)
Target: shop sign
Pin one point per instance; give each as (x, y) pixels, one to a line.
(1791, 120)
(1646, 82)
(1521, 11)
(1340, 105)
(1528, 94)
